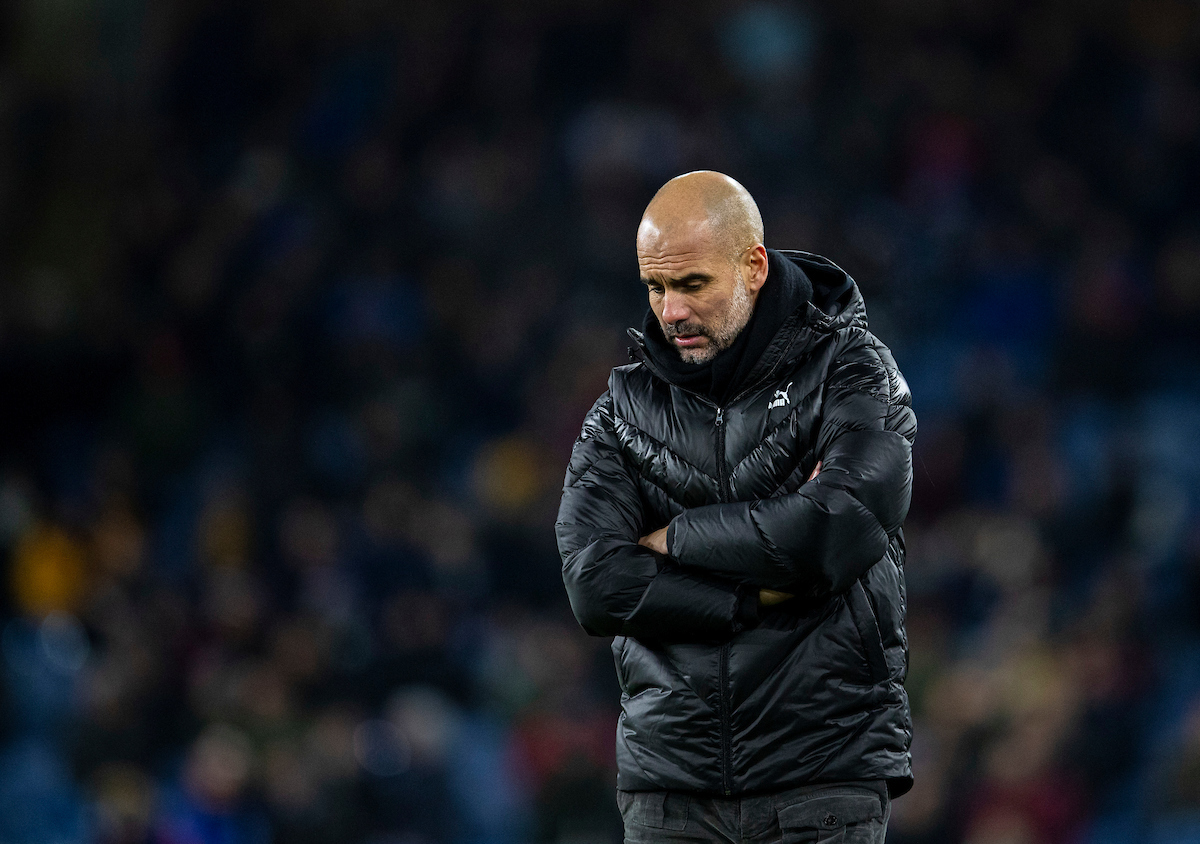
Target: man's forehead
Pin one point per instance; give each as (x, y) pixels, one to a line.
(691, 239)
(674, 259)
(674, 266)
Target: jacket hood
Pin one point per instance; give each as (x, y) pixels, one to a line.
(836, 300)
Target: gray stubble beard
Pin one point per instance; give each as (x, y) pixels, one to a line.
(720, 338)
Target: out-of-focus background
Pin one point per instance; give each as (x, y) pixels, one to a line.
(301, 307)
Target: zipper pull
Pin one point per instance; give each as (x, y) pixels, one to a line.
(720, 416)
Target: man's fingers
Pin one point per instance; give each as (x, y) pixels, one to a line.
(815, 470)
(769, 597)
(656, 541)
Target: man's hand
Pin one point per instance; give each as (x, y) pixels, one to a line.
(656, 541)
(770, 597)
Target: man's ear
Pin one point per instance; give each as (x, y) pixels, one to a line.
(754, 268)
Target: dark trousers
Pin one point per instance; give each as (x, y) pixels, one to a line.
(845, 813)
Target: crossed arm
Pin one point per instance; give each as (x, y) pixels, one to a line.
(618, 587)
(725, 559)
(657, 542)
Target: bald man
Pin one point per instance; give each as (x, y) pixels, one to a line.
(732, 516)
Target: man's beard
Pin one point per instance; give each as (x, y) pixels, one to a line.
(720, 336)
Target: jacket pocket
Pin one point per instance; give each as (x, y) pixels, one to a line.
(823, 818)
(868, 631)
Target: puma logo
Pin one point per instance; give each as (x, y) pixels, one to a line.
(781, 398)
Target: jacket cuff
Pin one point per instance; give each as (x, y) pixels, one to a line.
(670, 537)
(747, 608)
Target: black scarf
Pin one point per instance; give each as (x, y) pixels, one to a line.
(786, 289)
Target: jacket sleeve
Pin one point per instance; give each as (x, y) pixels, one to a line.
(616, 586)
(823, 537)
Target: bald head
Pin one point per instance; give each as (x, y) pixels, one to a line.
(702, 259)
(703, 204)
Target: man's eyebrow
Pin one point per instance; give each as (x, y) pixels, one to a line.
(690, 277)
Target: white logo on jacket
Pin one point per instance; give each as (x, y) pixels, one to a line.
(781, 398)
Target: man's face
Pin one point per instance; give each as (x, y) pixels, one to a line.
(697, 291)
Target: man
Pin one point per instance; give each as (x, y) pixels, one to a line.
(732, 515)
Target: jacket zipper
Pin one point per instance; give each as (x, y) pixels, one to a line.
(723, 656)
(726, 729)
(722, 470)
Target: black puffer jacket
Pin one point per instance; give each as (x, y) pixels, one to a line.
(714, 699)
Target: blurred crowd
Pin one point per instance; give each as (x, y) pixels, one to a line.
(301, 307)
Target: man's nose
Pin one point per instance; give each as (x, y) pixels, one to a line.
(675, 308)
